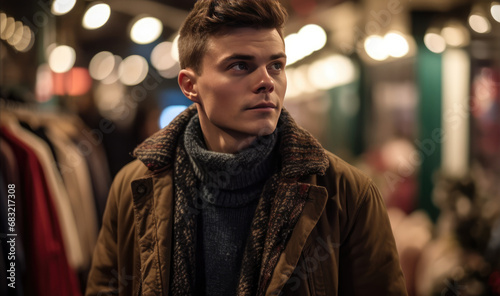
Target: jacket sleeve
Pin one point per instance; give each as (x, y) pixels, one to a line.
(369, 262)
(103, 277)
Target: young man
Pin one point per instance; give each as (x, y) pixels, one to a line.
(233, 198)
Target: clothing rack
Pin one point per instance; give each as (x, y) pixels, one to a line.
(60, 196)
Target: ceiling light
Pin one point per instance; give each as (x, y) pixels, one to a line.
(146, 30)
(96, 16)
(434, 42)
(375, 48)
(114, 75)
(133, 70)
(161, 56)
(309, 39)
(455, 34)
(495, 11)
(60, 7)
(101, 65)
(313, 36)
(479, 23)
(62, 58)
(293, 48)
(396, 44)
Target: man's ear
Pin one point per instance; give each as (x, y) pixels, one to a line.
(187, 81)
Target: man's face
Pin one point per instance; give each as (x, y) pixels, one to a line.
(242, 84)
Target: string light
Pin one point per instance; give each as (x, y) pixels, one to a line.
(16, 33)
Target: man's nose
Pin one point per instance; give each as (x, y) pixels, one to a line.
(265, 82)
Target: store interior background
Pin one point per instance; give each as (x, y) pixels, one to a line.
(406, 90)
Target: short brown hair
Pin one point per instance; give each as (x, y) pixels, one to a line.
(209, 17)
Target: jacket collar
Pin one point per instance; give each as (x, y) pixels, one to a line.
(301, 154)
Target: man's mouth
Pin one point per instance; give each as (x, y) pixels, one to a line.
(263, 106)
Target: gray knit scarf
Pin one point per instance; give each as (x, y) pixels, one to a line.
(229, 180)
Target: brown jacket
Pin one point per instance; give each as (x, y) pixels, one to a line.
(342, 243)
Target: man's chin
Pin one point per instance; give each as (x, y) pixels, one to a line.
(264, 130)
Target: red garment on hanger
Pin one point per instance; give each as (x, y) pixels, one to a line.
(48, 270)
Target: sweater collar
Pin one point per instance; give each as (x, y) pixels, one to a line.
(301, 154)
(226, 170)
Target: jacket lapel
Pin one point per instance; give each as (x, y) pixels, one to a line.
(296, 206)
(315, 202)
(287, 207)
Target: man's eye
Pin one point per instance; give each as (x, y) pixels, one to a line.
(277, 66)
(239, 66)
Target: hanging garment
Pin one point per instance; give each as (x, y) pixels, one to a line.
(92, 150)
(56, 188)
(49, 273)
(74, 171)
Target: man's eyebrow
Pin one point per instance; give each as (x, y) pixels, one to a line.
(246, 57)
(278, 56)
(237, 56)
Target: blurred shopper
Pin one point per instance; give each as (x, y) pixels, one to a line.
(233, 198)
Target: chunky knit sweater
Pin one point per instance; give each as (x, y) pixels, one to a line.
(229, 186)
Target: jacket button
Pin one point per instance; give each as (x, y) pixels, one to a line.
(141, 189)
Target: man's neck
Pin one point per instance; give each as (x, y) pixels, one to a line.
(225, 142)
(221, 140)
